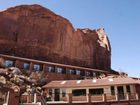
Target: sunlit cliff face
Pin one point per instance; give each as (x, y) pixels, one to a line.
(103, 39)
(32, 31)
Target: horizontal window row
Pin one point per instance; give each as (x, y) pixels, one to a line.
(79, 92)
(51, 69)
(82, 92)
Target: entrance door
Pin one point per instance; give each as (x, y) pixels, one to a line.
(57, 94)
(120, 92)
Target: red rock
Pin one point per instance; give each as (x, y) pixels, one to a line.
(35, 32)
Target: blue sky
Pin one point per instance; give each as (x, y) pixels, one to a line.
(120, 18)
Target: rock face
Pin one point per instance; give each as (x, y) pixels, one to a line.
(35, 32)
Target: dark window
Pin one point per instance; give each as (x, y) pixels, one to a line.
(50, 92)
(37, 67)
(128, 89)
(71, 71)
(79, 92)
(26, 66)
(82, 73)
(9, 63)
(64, 70)
(51, 69)
(99, 91)
(112, 90)
(98, 74)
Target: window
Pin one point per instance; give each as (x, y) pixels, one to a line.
(128, 89)
(94, 74)
(63, 92)
(26, 66)
(36, 67)
(112, 90)
(88, 73)
(51, 69)
(82, 73)
(79, 92)
(59, 70)
(98, 74)
(78, 72)
(50, 92)
(98, 91)
(9, 63)
(71, 71)
(64, 70)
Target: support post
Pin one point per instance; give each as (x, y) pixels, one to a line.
(127, 96)
(137, 97)
(104, 98)
(44, 67)
(35, 98)
(16, 63)
(29, 98)
(116, 95)
(70, 98)
(31, 66)
(89, 98)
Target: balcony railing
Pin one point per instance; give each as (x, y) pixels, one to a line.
(88, 98)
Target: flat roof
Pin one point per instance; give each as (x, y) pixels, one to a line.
(91, 82)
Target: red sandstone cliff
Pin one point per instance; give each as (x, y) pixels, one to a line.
(35, 32)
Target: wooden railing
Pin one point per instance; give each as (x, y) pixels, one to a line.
(69, 98)
(79, 98)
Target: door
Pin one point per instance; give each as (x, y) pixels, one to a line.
(120, 92)
(57, 94)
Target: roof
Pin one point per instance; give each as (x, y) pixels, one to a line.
(91, 82)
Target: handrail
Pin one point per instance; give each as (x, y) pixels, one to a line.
(88, 98)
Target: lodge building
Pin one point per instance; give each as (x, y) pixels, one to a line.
(54, 71)
(111, 90)
(94, 90)
(72, 85)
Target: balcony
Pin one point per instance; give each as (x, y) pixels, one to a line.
(69, 98)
